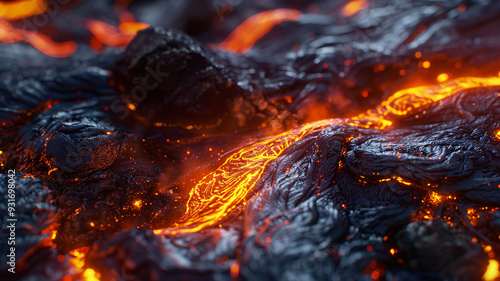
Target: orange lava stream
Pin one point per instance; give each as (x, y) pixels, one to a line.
(116, 36)
(21, 9)
(103, 33)
(405, 101)
(42, 42)
(221, 191)
(243, 38)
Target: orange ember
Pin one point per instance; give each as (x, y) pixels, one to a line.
(90, 275)
(244, 37)
(14, 10)
(443, 77)
(353, 7)
(78, 262)
(131, 28)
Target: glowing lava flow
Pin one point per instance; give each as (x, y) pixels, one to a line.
(222, 190)
(15, 10)
(403, 102)
(115, 36)
(242, 39)
(10, 34)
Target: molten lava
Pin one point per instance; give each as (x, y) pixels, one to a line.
(219, 192)
(103, 33)
(242, 39)
(492, 272)
(40, 41)
(403, 102)
(217, 197)
(22, 9)
(112, 36)
(115, 36)
(19, 9)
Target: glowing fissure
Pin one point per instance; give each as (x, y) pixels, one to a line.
(116, 36)
(219, 192)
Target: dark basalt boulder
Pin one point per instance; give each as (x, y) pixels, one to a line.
(435, 246)
(168, 76)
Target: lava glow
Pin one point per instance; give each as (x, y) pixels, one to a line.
(90, 275)
(104, 34)
(353, 7)
(115, 36)
(492, 272)
(219, 192)
(403, 102)
(42, 42)
(242, 39)
(112, 36)
(15, 10)
(22, 9)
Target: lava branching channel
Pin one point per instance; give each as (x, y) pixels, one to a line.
(364, 144)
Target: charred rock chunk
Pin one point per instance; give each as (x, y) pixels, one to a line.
(170, 77)
(435, 246)
(35, 213)
(142, 255)
(101, 178)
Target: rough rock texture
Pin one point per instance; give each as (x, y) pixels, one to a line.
(120, 139)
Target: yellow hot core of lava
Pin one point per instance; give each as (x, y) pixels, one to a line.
(405, 101)
(137, 203)
(492, 271)
(219, 192)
